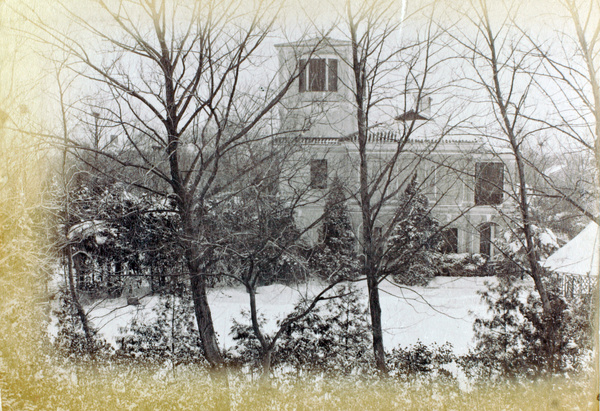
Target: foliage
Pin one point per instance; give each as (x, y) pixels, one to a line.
(512, 243)
(135, 387)
(463, 265)
(421, 360)
(516, 340)
(169, 335)
(336, 230)
(70, 340)
(411, 247)
(253, 238)
(119, 238)
(247, 349)
(333, 337)
(334, 257)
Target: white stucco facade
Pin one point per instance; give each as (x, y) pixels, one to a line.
(318, 122)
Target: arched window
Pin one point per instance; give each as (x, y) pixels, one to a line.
(487, 233)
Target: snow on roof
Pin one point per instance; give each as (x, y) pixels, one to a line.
(580, 256)
(100, 229)
(314, 41)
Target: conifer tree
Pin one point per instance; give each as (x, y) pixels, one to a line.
(415, 239)
(336, 231)
(335, 256)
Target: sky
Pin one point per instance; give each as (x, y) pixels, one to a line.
(29, 80)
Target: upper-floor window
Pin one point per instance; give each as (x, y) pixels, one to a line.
(489, 183)
(318, 174)
(318, 75)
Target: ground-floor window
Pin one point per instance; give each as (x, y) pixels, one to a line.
(487, 232)
(449, 241)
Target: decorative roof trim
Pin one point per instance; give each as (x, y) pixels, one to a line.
(321, 41)
(377, 137)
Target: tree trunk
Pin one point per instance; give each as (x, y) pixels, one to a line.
(75, 297)
(266, 346)
(509, 130)
(265, 380)
(369, 248)
(375, 310)
(204, 317)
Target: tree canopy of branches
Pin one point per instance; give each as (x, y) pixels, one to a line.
(374, 55)
(171, 81)
(498, 68)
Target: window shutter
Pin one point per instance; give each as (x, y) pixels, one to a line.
(497, 180)
(316, 74)
(318, 174)
(333, 74)
(485, 239)
(302, 76)
(479, 184)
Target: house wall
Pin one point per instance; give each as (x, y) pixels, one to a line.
(320, 124)
(317, 113)
(446, 178)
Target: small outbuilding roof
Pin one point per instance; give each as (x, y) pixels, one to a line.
(580, 256)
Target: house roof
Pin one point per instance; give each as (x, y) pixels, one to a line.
(410, 115)
(321, 41)
(580, 256)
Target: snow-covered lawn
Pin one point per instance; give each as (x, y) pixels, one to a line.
(442, 311)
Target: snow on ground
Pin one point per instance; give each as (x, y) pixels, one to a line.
(441, 312)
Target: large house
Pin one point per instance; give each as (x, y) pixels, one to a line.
(463, 178)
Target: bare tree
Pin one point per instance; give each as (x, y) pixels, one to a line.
(258, 243)
(376, 58)
(570, 84)
(65, 176)
(575, 70)
(504, 72)
(172, 77)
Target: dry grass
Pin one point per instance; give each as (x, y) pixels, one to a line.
(115, 388)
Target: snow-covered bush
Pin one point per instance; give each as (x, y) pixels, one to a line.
(512, 243)
(517, 340)
(463, 265)
(71, 341)
(421, 360)
(170, 334)
(334, 257)
(334, 337)
(247, 350)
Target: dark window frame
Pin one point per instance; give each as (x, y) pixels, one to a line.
(449, 243)
(318, 74)
(489, 183)
(318, 173)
